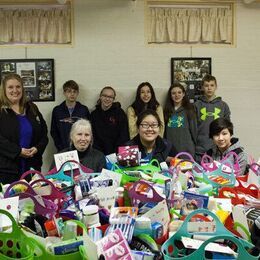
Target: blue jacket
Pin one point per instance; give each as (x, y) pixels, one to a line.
(61, 123)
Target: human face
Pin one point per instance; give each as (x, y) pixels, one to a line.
(71, 95)
(107, 98)
(209, 88)
(145, 94)
(222, 140)
(81, 139)
(177, 95)
(148, 129)
(14, 91)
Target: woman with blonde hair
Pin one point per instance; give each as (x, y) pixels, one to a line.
(23, 131)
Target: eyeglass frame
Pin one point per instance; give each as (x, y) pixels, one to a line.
(108, 97)
(147, 126)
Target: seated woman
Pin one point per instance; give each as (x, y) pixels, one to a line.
(151, 145)
(81, 139)
(221, 132)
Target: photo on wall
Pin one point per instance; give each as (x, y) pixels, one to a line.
(37, 76)
(190, 72)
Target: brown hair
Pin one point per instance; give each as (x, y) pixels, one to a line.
(208, 78)
(70, 84)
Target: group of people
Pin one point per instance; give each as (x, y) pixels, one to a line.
(161, 133)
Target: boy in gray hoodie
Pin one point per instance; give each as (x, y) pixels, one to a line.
(208, 108)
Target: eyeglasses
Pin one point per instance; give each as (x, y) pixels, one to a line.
(146, 126)
(109, 97)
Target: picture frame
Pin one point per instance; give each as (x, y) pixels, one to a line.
(37, 76)
(190, 72)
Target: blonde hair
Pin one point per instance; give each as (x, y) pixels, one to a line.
(78, 125)
(4, 101)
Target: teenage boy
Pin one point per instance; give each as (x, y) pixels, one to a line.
(65, 114)
(221, 132)
(208, 108)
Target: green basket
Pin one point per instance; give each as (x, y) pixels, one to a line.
(83, 254)
(148, 169)
(15, 245)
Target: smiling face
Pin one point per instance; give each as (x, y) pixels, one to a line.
(13, 91)
(107, 98)
(145, 94)
(81, 138)
(222, 140)
(148, 129)
(177, 96)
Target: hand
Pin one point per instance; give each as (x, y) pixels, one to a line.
(32, 151)
(25, 153)
(28, 152)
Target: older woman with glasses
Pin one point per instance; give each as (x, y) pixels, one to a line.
(109, 123)
(151, 145)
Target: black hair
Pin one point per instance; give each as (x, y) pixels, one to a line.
(70, 84)
(169, 103)
(146, 113)
(138, 105)
(218, 125)
(208, 78)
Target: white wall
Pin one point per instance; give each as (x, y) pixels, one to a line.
(110, 49)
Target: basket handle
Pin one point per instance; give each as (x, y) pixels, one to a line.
(204, 163)
(60, 173)
(219, 226)
(29, 172)
(155, 162)
(189, 156)
(29, 188)
(15, 228)
(231, 153)
(115, 167)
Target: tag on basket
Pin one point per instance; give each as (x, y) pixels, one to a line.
(10, 205)
(61, 158)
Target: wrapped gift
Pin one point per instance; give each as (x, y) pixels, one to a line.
(128, 156)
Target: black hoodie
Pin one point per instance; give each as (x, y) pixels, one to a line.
(110, 128)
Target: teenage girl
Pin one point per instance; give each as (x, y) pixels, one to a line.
(145, 99)
(180, 120)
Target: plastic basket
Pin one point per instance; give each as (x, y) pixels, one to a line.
(42, 254)
(171, 251)
(15, 245)
(150, 168)
(211, 177)
(49, 208)
(209, 164)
